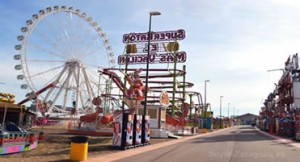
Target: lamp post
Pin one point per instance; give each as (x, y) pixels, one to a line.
(233, 116)
(228, 116)
(205, 106)
(221, 111)
(276, 70)
(228, 109)
(152, 13)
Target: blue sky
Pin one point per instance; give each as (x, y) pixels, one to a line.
(231, 43)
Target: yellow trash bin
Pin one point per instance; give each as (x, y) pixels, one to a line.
(79, 148)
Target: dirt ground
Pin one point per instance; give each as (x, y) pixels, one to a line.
(56, 147)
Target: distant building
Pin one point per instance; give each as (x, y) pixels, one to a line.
(247, 118)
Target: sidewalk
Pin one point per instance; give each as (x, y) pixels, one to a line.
(280, 139)
(135, 151)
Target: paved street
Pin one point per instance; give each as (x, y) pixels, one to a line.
(237, 144)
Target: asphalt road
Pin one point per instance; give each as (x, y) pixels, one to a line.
(237, 144)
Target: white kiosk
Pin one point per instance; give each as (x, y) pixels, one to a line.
(157, 115)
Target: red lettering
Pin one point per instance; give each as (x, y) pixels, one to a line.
(153, 58)
(170, 58)
(162, 36)
(180, 34)
(157, 36)
(168, 35)
(181, 57)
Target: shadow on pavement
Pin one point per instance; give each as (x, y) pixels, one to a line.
(245, 133)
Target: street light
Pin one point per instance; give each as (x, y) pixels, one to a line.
(275, 70)
(221, 111)
(228, 109)
(152, 13)
(205, 106)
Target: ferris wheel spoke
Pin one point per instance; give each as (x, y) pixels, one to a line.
(89, 53)
(80, 26)
(46, 71)
(85, 32)
(70, 33)
(50, 28)
(85, 45)
(54, 45)
(64, 37)
(60, 23)
(52, 53)
(67, 36)
(58, 61)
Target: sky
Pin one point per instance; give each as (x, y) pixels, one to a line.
(231, 43)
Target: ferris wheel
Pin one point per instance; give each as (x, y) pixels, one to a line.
(61, 50)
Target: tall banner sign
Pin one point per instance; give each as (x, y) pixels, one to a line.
(159, 52)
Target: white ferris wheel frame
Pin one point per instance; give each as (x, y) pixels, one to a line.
(71, 68)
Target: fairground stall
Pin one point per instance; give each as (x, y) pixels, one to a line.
(16, 122)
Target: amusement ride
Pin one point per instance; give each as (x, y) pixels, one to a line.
(60, 51)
